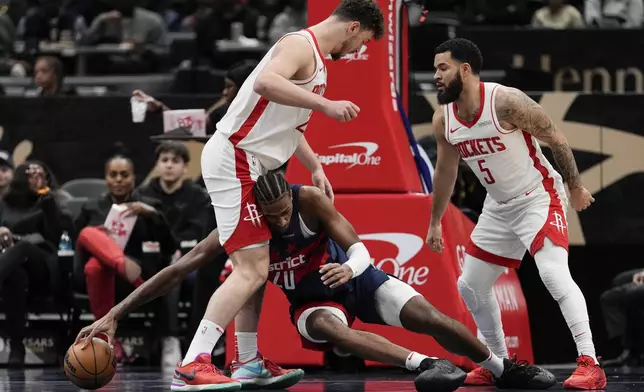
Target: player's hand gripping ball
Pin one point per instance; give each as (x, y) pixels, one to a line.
(91, 367)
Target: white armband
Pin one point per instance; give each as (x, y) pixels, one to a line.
(359, 259)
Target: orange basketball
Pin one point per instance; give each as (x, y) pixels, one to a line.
(92, 367)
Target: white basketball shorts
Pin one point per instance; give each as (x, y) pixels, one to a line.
(506, 230)
(230, 174)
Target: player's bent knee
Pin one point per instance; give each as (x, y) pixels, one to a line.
(468, 294)
(391, 298)
(321, 324)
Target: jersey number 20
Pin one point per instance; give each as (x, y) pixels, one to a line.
(487, 174)
(288, 278)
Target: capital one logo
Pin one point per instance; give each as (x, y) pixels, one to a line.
(364, 158)
(408, 246)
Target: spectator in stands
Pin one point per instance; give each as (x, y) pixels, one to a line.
(8, 63)
(293, 18)
(235, 78)
(104, 260)
(186, 206)
(51, 21)
(49, 78)
(614, 13)
(31, 226)
(143, 31)
(217, 23)
(268, 11)
(6, 172)
(622, 306)
(558, 15)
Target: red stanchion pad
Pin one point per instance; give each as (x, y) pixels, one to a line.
(370, 154)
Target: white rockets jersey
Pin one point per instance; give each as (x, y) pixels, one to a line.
(268, 130)
(507, 163)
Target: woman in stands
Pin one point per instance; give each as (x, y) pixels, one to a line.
(235, 78)
(31, 223)
(101, 259)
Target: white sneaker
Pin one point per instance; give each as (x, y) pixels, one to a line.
(171, 352)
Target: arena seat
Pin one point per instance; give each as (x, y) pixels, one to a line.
(91, 188)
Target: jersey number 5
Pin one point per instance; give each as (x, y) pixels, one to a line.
(487, 173)
(288, 278)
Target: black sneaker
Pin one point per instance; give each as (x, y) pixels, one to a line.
(439, 375)
(522, 375)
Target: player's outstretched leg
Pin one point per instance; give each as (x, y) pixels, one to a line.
(250, 368)
(196, 372)
(552, 262)
(418, 315)
(435, 374)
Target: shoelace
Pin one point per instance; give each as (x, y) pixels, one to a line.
(583, 364)
(272, 367)
(207, 367)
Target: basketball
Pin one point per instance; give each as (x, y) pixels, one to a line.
(92, 367)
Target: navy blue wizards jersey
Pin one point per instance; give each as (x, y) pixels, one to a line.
(296, 256)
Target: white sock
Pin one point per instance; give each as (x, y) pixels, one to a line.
(413, 360)
(552, 262)
(493, 364)
(204, 341)
(246, 346)
(584, 340)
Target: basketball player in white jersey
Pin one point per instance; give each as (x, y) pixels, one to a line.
(496, 130)
(262, 129)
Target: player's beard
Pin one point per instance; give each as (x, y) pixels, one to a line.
(452, 91)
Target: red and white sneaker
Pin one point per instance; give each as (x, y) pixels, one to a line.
(202, 375)
(588, 375)
(479, 377)
(260, 372)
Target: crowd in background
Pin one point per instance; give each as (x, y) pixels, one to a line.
(169, 209)
(144, 29)
(35, 220)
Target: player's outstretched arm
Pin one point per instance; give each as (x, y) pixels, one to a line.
(160, 284)
(292, 54)
(445, 175)
(515, 107)
(341, 231)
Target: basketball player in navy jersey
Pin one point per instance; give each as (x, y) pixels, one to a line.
(326, 273)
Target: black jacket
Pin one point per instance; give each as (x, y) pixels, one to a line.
(156, 228)
(43, 216)
(188, 210)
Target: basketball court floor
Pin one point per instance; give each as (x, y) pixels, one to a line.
(136, 379)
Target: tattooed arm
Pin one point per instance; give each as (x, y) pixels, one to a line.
(516, 108)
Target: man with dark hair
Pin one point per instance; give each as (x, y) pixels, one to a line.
(496, 130)
(185, 205)
(325, 271)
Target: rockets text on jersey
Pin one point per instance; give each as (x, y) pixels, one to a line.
(508, 163)
(266, 129)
